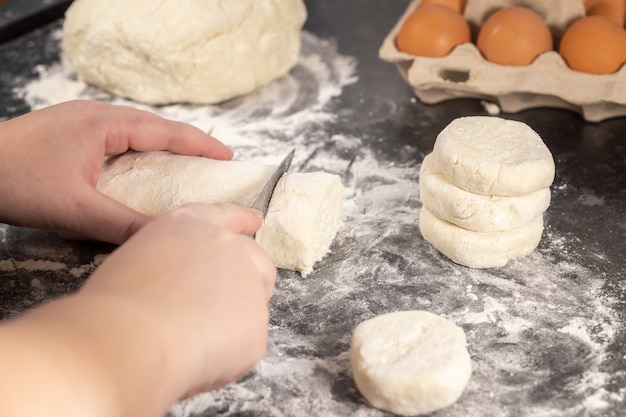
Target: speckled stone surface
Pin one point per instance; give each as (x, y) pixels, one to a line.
(546, 332)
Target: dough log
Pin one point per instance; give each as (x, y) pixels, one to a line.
(410, 362)
(303, 218)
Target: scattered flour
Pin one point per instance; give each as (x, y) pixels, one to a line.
(255, 125)
(524, 322)
(7, 265)
(39, 265)
(590, 200)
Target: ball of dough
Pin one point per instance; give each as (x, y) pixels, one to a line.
(477, 212)
(479, 249)
(410, 362)
(170, 51)
(493, 156)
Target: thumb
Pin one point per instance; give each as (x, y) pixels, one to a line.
(109, 220)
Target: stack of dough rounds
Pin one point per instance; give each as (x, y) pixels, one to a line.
(484, 190)
(303, 217)
(410, 362)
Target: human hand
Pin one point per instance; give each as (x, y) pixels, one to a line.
(204, 283)
(181, 307)
(50, 162)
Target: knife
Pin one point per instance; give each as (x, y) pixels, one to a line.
(262, 201)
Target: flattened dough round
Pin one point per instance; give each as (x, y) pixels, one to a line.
(493, 156)
(192, 51)
(410, 362)
(478, 249)
(477, 212)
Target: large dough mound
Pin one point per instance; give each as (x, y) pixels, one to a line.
(493, 156)
(304, 214)
(410, 362)
(169, 51)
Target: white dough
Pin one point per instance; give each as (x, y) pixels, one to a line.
(410, 362)
(477, 212)
(479, 249)
(493, 156)
(304, 214)
(302, 220)
(171, 51)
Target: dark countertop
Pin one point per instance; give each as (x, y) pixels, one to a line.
(19, 17)
(546, 333)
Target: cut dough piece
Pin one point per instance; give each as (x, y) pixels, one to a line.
(304, 214)
(303, 218)
(477, 212)
(493, 156)
(410, 362)
(196, 51)
(477, 249)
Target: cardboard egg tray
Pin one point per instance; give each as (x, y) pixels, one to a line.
(546, 82)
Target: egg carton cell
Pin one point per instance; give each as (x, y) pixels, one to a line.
(546, 82)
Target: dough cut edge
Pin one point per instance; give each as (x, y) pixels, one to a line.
(476, 249)
(440, 394)
(313, 242)
(167, 180)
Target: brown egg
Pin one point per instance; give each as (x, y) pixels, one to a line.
(611, 9)
(458, 5)
(514, 36)
(594, 44)
(433, 30)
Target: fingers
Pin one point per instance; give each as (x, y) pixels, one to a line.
(144, 131)
(267, 271)
(110, 220)
(238, 220)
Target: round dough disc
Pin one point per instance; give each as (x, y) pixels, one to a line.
(410, 362)
(192, 51)
(477, 212)
(479, 249)
(493, 156)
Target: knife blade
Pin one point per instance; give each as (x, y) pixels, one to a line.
(262, 201)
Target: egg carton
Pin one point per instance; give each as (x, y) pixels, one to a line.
(546, 82)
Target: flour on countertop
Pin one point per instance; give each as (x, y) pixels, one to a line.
(538, 329)
(251, 124)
